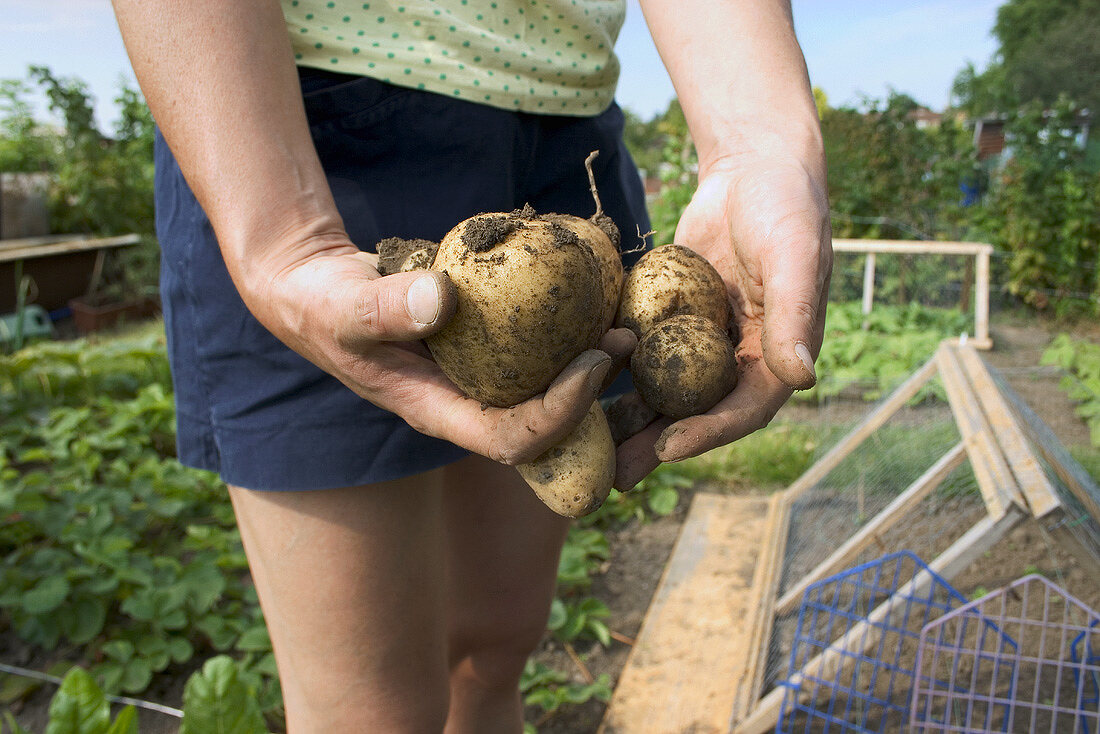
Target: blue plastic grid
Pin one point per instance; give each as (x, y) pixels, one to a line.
(869, 619)
(1088, 674)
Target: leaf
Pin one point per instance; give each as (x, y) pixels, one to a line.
(136, 675)
(216, 701)
(79, 706)
(663, 500)
(255, 639)
(83, 620)
(46, 596)
(558, 615)
(126, 723)
(180, 649)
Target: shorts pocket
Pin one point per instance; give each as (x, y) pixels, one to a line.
(329, 97)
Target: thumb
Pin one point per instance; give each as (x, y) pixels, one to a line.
(402, 306)
(795, 292)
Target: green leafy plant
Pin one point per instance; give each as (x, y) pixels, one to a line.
(580, 619)
(550, 689)
(1081, 360)
(217, 698)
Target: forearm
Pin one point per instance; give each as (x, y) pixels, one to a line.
(739, 75)
(220, 81)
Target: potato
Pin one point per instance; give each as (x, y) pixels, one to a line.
(684, 365)
(604, 239)
(671, 280)
(574, 477)
(530, 299)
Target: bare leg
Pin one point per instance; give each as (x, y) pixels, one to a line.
(503, 549)
(351, 582)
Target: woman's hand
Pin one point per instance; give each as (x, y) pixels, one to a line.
(337, 311)
(763, 222)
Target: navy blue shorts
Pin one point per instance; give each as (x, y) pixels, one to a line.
(401, 163)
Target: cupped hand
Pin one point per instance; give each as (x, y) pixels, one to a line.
(764, 224)
(337, 311)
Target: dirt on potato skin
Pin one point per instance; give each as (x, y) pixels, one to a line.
(505, 344)
(396, 255)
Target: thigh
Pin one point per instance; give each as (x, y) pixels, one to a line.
(351, 582)
(503, 549)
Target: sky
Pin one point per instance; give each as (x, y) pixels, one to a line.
(853, 48)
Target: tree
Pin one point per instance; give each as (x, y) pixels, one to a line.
(1048, 48)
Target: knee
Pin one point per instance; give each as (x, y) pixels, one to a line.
(493, 656)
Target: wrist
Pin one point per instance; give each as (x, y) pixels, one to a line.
(753, 138)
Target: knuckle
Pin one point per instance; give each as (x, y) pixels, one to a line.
(368, 310)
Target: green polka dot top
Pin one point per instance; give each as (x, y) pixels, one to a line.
(540, 56)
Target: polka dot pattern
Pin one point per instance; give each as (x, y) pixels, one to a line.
(541, 56)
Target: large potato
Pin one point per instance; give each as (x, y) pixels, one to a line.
(603, 239)
(574, 477)
(530, 299)
(684, 365)
(668, 281)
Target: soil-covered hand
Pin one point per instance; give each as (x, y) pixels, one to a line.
(764, 224)
(336, 310)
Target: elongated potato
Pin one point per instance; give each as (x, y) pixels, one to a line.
(574, 477)
(668, 281)
(530, 299)
(684, 365)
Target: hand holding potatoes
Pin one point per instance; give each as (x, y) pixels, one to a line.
(338, 312)
(763, 222)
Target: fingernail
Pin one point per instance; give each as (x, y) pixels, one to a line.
(422, 300)
(803, 353)
(598, 374)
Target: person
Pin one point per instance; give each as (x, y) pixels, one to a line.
(404, 570)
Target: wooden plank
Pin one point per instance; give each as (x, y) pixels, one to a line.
(911, 247)
(995, 480)
(868, 288)
(1036, 488)
(765, 588)
(981, 301)
(891, 515)
(15, 243)
(684, 669)
(864, 635)
(870, 424)
(47, 249)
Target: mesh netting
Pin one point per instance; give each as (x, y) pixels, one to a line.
(865, 483)
(1076, 490)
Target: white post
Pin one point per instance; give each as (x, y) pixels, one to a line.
(868, 287)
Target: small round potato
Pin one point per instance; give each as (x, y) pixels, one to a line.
(607, 255)
(574, 477)
(668, 281)
(683, 366)
(530, 299)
